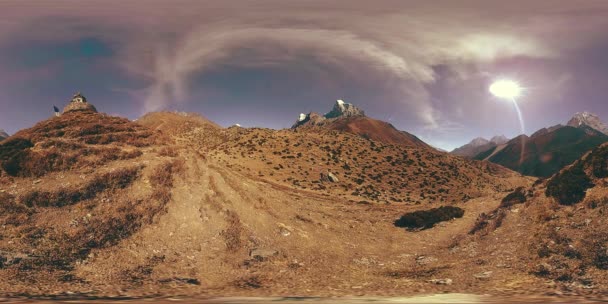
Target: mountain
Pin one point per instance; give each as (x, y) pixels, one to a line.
(588, 119)
(173, 204)
(3, 135)
(546, 151)
(479, 145)
(345, 117)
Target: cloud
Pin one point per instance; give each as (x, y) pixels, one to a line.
(396, 44)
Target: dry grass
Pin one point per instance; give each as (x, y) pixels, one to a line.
(117, 179)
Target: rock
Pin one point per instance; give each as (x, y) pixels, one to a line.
(332, 177)
(343, 109)
(441, 281)
(329, 177)
(483, 275)
(262, 254)
(424, 260)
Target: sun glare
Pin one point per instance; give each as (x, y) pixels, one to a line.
(507, 89)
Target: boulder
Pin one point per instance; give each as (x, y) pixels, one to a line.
(262, 254)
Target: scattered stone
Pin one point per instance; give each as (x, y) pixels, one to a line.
(441, 281)
(38, 181)
(483, 275)
(329, 177)
(424, 260)
(261, 254)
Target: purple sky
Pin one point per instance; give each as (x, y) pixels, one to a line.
(422, 65)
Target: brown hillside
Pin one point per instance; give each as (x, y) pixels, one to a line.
(253, 216)
(555, 230)
(72, 185)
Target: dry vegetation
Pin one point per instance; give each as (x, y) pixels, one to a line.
(177, 205)
(368, 170)
(73, 184)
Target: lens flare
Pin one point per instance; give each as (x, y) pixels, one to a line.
(506, 89)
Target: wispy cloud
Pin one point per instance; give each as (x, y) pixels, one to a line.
(397, 44)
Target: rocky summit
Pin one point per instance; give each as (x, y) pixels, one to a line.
(588, 119)
(343, 109)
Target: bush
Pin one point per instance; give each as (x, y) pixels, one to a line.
(425, 219)
(569, 186)
(599, 162)
(516, 197)
(595, 250)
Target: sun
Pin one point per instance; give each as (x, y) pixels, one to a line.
(507, 89)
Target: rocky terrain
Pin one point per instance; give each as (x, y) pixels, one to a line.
(548, 150)
(173, 204)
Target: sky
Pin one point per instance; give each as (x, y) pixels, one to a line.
(424, 66)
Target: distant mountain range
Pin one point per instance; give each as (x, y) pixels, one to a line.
(549, 149)
(479, 145)
(346, 117)
(3, 135)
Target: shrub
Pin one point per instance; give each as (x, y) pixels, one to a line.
(425, 219)
(595, 250)
(599, 162)
(569, 186)
(516, 197)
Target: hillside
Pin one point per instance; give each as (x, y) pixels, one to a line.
(71, 186)
(554, 230)
(546, 151)
(368, 170)
(99, 205)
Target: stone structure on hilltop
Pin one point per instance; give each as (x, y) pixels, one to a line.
(79, 103)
